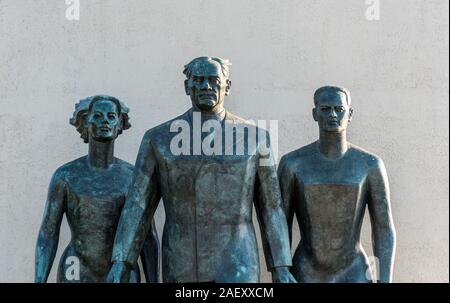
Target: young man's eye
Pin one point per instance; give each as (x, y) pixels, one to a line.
(325, 109)
(340, 109)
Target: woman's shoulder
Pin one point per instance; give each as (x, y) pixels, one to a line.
(122, 164)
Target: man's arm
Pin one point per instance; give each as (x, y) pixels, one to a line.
(287, 188)
(47, 243)
(137, 214)
(383, 232)
(150, 255)
(272, 221)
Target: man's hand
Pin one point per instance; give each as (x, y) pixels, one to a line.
(282, 275)
(119, 273)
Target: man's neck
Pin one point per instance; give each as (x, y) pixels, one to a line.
(218, 113)
(333, 145)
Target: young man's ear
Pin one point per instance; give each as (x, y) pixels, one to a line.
(187, 89)
(228, 88)
(350, 115)
(314, 114)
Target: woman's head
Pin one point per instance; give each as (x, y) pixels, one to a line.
(101, 118)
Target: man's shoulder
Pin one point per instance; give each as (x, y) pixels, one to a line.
(302, 152)
(372, 160)
(260, 132)
(230, 117)
(164, 129)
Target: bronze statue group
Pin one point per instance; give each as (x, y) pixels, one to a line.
(209, 199)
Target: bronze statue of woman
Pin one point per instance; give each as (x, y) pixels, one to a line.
(91, 192)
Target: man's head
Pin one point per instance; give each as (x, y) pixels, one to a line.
(101, 118)
(332, 108)
(207, 82)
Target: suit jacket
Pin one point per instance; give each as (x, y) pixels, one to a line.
(208, 201)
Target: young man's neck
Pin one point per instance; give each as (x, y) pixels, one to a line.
(333, 145)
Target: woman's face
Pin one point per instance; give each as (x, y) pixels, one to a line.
(104, 121)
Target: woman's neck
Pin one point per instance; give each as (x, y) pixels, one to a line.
(101, 154)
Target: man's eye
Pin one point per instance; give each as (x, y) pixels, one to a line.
(340, 109)
(325, 109)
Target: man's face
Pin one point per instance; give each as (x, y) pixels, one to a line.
(207, 86)
(332, 112)
(104, 121)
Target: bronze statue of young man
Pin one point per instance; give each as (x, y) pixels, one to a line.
(91, 192)
(208, 197)
(328, 185)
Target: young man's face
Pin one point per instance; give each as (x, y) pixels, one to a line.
(332, 112)
(207, 86)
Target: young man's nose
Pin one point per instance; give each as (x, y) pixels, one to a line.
(105, 120)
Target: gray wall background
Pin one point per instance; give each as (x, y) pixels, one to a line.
(282, 50)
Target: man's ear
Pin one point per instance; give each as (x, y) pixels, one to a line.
(187, 89)
(350, 115)
(314, 113)
(228, 88)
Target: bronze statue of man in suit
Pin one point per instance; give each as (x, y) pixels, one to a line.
(208, 192)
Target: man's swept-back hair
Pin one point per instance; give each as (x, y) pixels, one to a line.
(332, 89)
(224, 64)
(84, 107)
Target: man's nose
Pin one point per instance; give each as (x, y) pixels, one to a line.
(333, 113)
(206, 84)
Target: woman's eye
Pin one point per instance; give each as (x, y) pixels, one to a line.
(97, 116)
(112, 116)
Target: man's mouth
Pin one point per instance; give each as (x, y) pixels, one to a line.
(207, 96)
(105, 129)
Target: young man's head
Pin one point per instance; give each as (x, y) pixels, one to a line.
(332, 109)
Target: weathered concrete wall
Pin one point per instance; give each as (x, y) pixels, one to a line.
(396, 68)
